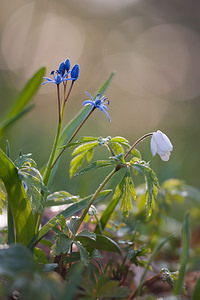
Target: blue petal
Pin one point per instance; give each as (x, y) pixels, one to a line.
(104, 107)
(101, 108)
(66, 75)
(90, 96)
(88, 102)
(49, 79)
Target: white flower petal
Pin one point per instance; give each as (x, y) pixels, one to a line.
(161, 144)
(153, 146)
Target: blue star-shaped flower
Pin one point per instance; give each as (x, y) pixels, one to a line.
(99, 102)
(57, 79)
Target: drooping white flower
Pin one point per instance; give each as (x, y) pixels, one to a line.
(161, 144)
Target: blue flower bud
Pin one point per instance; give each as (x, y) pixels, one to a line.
(62, 68)
(67, 64)
(75, 72)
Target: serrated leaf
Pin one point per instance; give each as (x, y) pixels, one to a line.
(86, 233)
(121, 140)
(85, 147)
(62, 244)
(76, 163)
(90, 154)
(61, 221)
(25, 160)
(73, 224)
(126, 204)
(117, 148)
(84, 255)
(136, 153)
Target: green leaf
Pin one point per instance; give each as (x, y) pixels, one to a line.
(196, 291)
(151, 179)
(85, 147)
(84, 255)
(98, 164)
(121, 140)
(68, 212)
(18, 109)
(60, 198)
(112, 204)
(184, 256)
(40, 256)
(19, 204)
(155, 252)
(16, 259)
(86, 233)
(75, 278)
(73, 224)
(62, 244)
(102, 242)
(111, 290)
(76, 163)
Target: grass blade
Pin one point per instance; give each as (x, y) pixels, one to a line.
(184, 256)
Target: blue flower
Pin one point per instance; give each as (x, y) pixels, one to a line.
(62, 68)
(99, 102)
(75, 72)
(67, 64)
(57, 79)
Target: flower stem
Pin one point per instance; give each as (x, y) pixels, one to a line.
(137, 142)
(59, 111)
(73, 135)
(66, 98)
(84, 213)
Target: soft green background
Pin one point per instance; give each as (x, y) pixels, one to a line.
(154, 47)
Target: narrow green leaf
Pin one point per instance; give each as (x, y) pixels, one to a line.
(68, 212)
(19, 204)
(155, 252)
(8, 122)
(96, 165)
(184, 256)
(27, 93)
(112, 204)
(60, 198)
(18, 109)
(196, 292)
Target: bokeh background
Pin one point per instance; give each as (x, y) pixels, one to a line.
(152, 45)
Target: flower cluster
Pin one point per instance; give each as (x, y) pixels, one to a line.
(100, 102)
(61, 75)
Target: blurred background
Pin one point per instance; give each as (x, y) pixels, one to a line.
(154, 48)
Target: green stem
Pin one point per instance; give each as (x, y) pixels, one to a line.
(84, 213)
(73, 135)
(137, 142)
(10, 220)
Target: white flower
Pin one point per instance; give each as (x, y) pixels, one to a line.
(161, 144)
